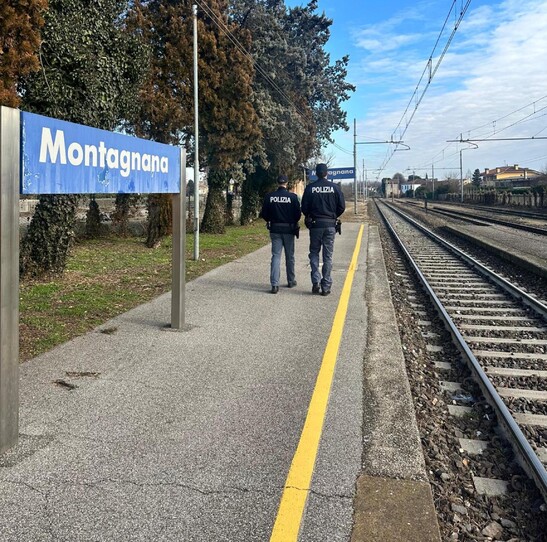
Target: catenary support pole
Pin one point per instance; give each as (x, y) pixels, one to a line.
(196, 132)
(364, 182)
(9, 276)
(461, 176)
(178, 290)
(355, 166)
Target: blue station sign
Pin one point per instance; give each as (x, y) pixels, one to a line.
(59, 157)
(335, 174)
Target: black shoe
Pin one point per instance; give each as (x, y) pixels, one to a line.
(315, 289)
(325, 292)
(292, 283)
(274, 289)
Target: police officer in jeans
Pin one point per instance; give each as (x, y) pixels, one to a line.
(322, 204)
(281, 210)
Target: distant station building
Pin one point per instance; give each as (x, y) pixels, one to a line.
(297, 185)
(508, 176)
(390, 188)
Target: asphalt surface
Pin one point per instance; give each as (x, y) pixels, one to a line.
(189, 435)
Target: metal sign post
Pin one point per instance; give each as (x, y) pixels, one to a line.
(42, 155)
(178, 289)
(9, 276)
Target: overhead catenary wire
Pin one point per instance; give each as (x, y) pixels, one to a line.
(432, 71)
(529, 117)
(494, 122)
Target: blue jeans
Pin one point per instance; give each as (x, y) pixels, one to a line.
(280, 241)
(321, 237)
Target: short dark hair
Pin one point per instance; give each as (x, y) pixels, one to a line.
(321, 170)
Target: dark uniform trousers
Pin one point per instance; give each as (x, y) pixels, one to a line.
(282, 241)
(322, 237)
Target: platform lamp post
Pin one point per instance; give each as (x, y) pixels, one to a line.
(461, 168)
(196, 137)
(355, 166)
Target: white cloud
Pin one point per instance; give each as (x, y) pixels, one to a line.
(495, 65)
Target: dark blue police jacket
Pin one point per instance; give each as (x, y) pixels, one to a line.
(282, 210)
(323, 202)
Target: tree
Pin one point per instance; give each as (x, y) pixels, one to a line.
(476, 178)
(93, 219)
(421, 192)
(190, 188)
(19, 45)
(46, 245)
(452, 176)
(321, 83)
(120, 217)
(228, 124)
(398, 178)
(164, 111)
(89, 76)
(231, 129)
(297, 92)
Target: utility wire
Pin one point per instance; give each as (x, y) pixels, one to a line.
(543, 129)
(537, 159)
(342, 149)
(222, 26)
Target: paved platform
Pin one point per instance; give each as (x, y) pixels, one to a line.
(190, 435)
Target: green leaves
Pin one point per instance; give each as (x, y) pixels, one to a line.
(91, 71)
(92, 66)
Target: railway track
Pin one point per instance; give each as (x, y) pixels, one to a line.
(500, 331)
(475, 217)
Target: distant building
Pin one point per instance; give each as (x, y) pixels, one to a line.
(203, 187)
(409, 186)
(390, 188)
(508, 176)
(297, 186)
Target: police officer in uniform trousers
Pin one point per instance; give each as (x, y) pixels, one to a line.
(281, 210)
(322, 204)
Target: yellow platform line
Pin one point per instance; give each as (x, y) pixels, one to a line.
(295, 493)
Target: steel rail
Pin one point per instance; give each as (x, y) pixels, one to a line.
(513, 290)
(500, 210)
(521, 447)
(514, 225)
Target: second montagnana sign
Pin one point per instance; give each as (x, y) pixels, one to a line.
(335, 174)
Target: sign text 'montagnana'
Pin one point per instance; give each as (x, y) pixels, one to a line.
(60, 157)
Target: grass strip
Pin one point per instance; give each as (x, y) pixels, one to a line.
(108, 276)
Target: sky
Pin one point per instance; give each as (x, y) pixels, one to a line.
(490, 83)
